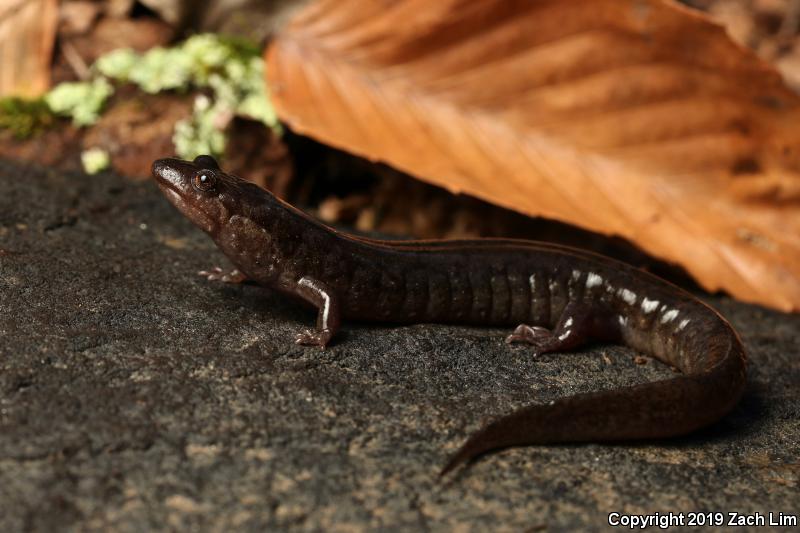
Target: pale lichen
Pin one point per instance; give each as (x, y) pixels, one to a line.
(230, 71)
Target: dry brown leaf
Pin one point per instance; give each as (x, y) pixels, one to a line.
(632, 117)
(27, 35)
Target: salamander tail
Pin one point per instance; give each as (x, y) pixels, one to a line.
(660, 409)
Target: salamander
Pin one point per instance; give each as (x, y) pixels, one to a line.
(558, 298)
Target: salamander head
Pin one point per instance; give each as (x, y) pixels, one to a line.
(201, 191)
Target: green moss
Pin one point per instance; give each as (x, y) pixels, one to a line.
(231, 72)
(231, 69)
(234, 72)
(95, 160)
(162, 69)
(24, 118)
(199, 134)
(81, 100)
(117, 64)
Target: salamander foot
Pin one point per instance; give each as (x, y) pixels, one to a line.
(313, 337)
(570, 332)
(530, 334)
(541, 339)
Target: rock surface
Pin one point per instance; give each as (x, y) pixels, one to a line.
(136, 395)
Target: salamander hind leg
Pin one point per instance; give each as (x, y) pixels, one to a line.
(576, 327)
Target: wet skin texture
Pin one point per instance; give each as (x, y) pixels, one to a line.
(557, 297)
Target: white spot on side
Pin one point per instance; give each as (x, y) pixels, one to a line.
(623, 321)
(576, 274)
(669, 316)
(564, 335)
(568, 323)
(648, 306)
(683, 324)
(628, 296)
(553, 286)
(593, 280)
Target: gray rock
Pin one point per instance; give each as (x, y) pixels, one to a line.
(136, 395)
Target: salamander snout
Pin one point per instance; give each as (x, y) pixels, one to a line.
(173, 174)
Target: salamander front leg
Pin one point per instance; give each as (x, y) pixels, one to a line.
(329, 316)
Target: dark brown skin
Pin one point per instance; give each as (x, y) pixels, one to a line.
(558, 298)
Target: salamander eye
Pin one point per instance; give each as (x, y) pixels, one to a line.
(205, 181)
